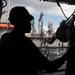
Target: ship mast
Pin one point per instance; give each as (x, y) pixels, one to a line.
(40, 24)
(40, 28)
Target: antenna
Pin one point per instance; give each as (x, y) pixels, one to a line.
(61, 8)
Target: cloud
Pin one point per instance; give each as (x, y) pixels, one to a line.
(36, 6)
(50, 8)
(68, 9)
(32, 10)
(45, 28)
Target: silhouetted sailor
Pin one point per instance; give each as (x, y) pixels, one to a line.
(19, 54)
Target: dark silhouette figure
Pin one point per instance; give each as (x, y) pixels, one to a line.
(70, 65)
(19, 54)
(4, 36)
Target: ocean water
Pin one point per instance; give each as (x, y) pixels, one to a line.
(51, 51)
(56, 43)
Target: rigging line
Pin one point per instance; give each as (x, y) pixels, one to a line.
(61, 8)
(70, 16)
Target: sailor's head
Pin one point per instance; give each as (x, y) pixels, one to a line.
(19, 16)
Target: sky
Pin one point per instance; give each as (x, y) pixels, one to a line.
(51, 12)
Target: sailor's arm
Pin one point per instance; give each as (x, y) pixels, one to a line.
(57, 63)
(42, 63)
(50, 66)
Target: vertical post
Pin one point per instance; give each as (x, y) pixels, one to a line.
(1, 5)
(41, 34)
(59, 46)
(62, 45)
(8, 10)
(8, 1)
